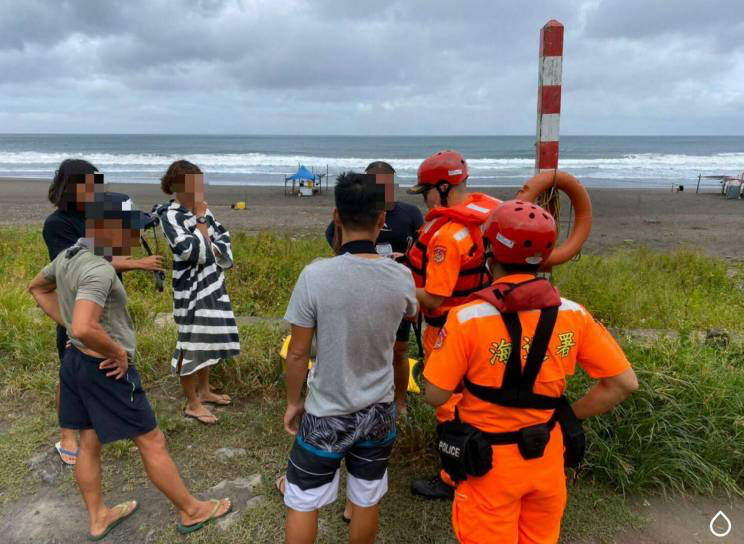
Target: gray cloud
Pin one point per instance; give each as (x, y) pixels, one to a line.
(388, 67)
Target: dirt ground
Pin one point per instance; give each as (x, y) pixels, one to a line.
(654, 218)
(686, 520)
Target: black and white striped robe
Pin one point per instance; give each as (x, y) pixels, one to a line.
(204, 318)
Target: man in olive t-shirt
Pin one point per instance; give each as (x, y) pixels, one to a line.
(101, 394)
(87, 276)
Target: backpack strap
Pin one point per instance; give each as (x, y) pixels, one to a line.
(513, 371)
(516, 387)
(538, 349)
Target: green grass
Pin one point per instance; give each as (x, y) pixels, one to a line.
(642, 288)
(682, 432)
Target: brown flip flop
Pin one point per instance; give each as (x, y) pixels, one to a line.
(221, 402)
(201, 418)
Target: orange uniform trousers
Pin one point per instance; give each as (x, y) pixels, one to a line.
(517, 501)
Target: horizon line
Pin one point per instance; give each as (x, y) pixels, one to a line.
(254, 135)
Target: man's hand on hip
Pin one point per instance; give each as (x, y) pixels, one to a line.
(117, 366)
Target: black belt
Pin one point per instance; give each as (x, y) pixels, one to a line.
(512, 437)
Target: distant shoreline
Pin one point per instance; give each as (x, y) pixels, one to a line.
(709, 188)
(656, 218)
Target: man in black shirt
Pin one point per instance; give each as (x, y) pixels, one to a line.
(76, 182)
(402, 222)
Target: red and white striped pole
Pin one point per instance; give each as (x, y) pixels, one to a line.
(549, 96)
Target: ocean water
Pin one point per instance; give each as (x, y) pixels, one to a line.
(598, 161)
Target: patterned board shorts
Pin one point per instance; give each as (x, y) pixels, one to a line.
(363, 439)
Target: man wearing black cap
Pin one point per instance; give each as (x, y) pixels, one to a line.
(402, 222)
(101, 393)
(76, 182)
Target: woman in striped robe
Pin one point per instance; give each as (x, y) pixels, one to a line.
(207, 332)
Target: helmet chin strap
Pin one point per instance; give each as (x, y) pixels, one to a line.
(443, 192)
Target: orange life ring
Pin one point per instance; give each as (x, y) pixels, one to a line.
(579, 200)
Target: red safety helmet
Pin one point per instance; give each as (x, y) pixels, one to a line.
(442, 167)
(520, 233)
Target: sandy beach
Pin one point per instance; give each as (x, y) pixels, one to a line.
(658, 219)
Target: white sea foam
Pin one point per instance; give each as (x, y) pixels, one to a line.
(257, 168)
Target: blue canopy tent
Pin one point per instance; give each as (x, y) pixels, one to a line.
(302, 173)
(306, 179)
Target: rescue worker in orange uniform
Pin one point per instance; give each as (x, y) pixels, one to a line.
(511, 350)
(448, 263)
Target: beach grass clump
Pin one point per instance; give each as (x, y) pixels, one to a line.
(682, 431)
(266, 269)
(642, 288)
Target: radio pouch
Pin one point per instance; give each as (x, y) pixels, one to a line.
(463, 449)
(533, 439)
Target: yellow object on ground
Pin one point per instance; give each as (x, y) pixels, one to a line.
(412, 385)
(239, 205)
(283, 353)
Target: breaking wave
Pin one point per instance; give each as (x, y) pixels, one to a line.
(649, 169)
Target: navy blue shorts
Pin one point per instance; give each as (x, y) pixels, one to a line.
(115, 409)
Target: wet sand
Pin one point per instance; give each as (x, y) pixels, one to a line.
(658, 219)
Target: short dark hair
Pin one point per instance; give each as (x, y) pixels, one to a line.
(69, 173)
(359, 199)
(175, 174)
(379, 167)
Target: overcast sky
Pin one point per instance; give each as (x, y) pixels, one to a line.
(367, 67)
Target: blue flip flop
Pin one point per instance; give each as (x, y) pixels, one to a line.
(61, 451)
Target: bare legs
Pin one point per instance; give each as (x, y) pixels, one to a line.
(197, 391)
(88, 475)
(205, 391)
(400, 374)
(67, 437)
(163, 473)
(194, 406)
(160, 468)
(302, 527)
(364, 524)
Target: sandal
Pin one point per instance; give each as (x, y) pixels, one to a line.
(186, 529)
(63, 452)
(124, 513)
(203, 418)
(221, 400)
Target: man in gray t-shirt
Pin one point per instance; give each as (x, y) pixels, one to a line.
(352, 304)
